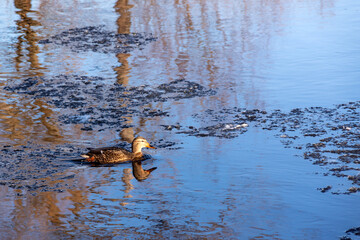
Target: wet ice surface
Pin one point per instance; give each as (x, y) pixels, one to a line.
(229, 163)
(36, 168)
(81, 92)
(97, 39)
(326, 136)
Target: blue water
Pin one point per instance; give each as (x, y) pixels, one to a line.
(255, 54)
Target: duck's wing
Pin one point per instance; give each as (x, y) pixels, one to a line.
(104, 149)
(108, 155)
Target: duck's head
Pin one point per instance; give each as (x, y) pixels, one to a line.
(139, 143)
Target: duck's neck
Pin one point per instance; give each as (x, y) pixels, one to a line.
(137, 155)
(136, 149)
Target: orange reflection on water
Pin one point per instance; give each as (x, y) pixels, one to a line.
(26, 46)
(220, 44)
(123, 22)
(223, 45)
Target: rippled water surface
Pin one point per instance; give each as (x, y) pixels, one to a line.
(237, 96)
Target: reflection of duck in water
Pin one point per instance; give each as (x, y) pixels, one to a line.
(139, 173)
(117, 155)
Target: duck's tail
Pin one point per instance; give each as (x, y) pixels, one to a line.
(73, 159)
(83, 158)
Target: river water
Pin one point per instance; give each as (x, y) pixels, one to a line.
(229, 182)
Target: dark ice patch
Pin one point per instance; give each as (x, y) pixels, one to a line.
(98, 39)
(328, 137)
(98, 103)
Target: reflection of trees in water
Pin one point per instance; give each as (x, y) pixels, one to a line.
(26, 45)
(126, 178)
(22, 118)
(123, 22)
(71, 211)
(222, 44)
(46, 211)
(207, 41)
(26, 119)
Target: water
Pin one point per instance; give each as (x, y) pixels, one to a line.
(256, 54)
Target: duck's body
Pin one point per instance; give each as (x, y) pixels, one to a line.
(117, 155)
(110, 155)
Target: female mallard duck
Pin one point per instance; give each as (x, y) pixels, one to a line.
(117, 155)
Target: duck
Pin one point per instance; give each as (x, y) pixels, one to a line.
(110, 155)
(139, 173)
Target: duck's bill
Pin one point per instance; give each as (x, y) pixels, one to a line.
(149, 146)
